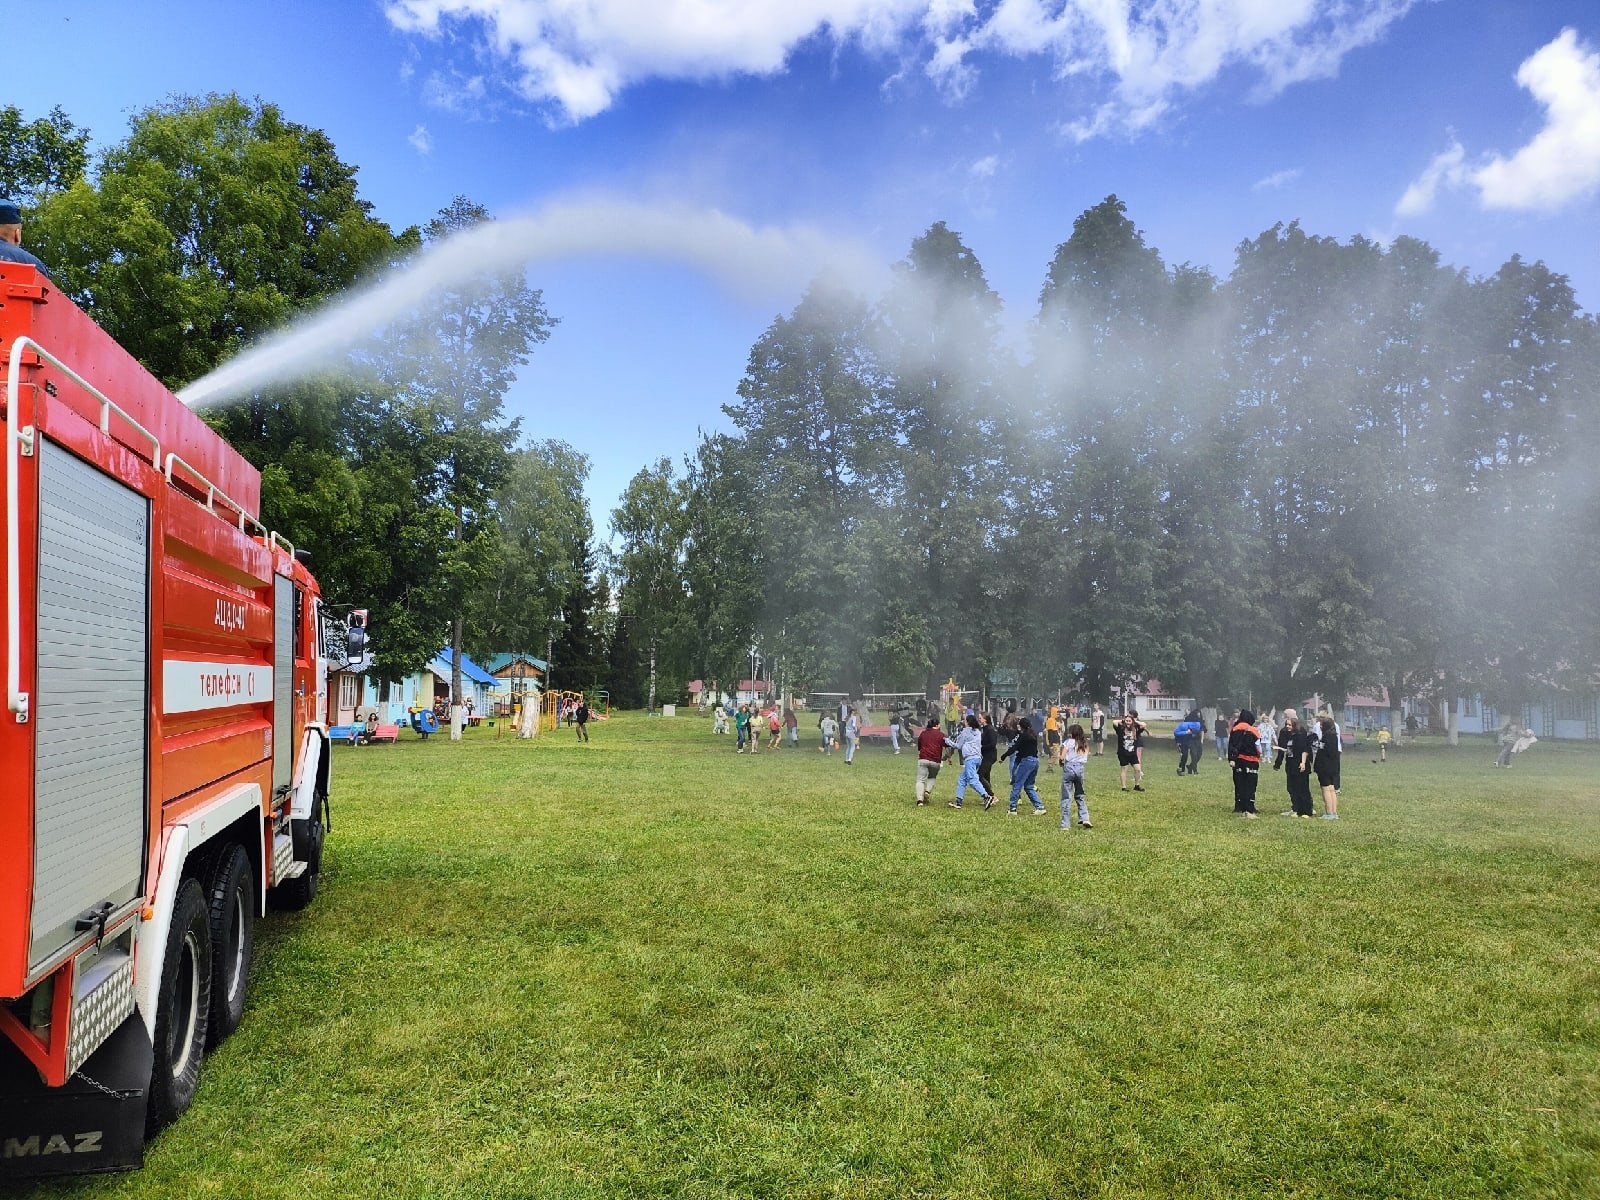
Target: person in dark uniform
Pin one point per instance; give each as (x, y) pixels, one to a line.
(1327, 765)
(11, 236)
(1293, 755)
(1244, 752)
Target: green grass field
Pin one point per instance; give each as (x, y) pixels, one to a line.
(650, 967)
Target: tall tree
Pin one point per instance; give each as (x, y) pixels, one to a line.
(1103, 313)
(213, 222)
(579, 652)
(818, 452)
(451, 365)
(543, 534)
(940, 322)
(41, 157)
(648, 571)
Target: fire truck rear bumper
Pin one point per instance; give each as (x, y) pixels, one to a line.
(95, 1123)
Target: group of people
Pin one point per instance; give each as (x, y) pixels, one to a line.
(1298, 749)
(1041, 740)
(750, 724)
(975, 742)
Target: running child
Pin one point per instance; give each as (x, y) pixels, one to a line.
(1074, 758)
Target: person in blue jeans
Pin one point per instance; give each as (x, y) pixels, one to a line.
(969, 744)
(1024, 755)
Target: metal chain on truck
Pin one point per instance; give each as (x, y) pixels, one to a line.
(100, 1087)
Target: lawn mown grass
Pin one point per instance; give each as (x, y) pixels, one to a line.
(650, 967)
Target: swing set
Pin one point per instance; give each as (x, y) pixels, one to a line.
(557, 704)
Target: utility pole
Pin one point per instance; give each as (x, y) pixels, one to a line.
(652, 707)
(550, 668)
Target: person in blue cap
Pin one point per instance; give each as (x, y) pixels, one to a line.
(11, 236)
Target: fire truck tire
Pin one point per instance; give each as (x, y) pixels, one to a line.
(182, 1008)
(233, 937)
(294, 894)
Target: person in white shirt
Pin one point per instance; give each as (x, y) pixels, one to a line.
(852, 735)
(1074, 758)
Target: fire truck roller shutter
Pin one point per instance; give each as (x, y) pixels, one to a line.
(91, 711)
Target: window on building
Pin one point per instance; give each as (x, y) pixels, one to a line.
(1569, 708)
(349, 690)
(1469, 706)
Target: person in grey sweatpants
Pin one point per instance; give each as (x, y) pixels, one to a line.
(1074, 758)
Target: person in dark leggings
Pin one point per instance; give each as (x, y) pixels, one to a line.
(1244, 752)
(990, 746)
(1293, 754)
(1329, 753)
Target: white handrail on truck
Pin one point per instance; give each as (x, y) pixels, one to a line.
(212, 494)
(16, 699)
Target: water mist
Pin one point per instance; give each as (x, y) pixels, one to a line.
(756, 263)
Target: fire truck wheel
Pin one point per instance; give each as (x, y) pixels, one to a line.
(233, 937)
(182, 1008)
(294, 894)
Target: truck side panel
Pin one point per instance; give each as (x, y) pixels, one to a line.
(92, 697)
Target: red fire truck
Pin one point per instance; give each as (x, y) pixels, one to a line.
(163, 746)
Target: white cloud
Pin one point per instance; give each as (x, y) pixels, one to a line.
(421, 140)
(1448, 166)
(1276, 180)
(454, 92)
(985, 167)
(1562, 162)
(579, 55)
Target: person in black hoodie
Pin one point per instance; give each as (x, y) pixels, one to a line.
(1024, 755)
(1294, 756)
(1245, 755)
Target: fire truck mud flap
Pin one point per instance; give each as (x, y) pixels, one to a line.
(95, 1123)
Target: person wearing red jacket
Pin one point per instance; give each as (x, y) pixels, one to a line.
(1245, 755)
(931, 745)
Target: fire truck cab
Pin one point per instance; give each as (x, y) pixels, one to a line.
(163, 746)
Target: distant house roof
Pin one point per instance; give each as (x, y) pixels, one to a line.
(501, 662)
(1381, 700)
(754, 685)
(469, 669)
(697, 685)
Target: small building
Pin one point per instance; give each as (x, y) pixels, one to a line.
(753, 691)
(515, 674)
(1154, 700)
(476, 683)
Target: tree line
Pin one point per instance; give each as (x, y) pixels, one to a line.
(1345, 466)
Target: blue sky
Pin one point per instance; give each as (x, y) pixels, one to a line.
(1472, 124)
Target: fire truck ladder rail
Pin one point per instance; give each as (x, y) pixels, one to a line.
(16, 699)
(214, 493)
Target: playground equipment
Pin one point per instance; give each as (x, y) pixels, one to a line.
(559, 705)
